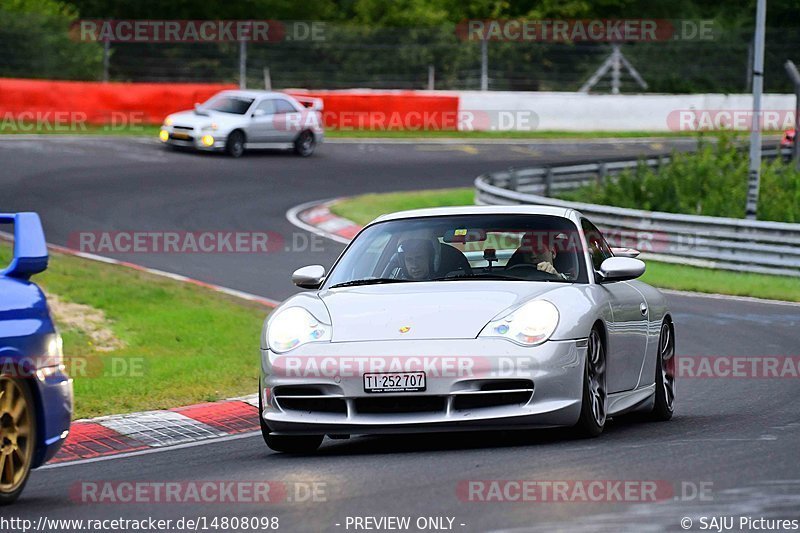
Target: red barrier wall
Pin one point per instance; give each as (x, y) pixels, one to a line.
(387, 110)
(99, 103)
(121, 104)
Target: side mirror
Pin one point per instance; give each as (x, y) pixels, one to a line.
(259, 113)
(621, 269)
(309, 277)
(625, 252)
(30, 248)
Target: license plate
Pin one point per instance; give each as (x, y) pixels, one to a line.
(394, 382)
(182, 136)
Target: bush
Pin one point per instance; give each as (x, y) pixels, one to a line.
(711, 181)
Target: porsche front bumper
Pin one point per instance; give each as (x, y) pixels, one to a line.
(472, 384)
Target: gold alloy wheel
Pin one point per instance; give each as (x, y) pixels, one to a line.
(16, 435)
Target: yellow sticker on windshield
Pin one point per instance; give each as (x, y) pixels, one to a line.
(460, 232)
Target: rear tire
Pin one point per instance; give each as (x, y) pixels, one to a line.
(17, 438)
(234, 146)
(665, 375)
(592, 419)
(305, 144)
(287, 443)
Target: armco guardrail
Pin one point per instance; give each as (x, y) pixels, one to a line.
(726, 243)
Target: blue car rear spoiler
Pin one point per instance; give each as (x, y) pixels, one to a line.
(30, 248)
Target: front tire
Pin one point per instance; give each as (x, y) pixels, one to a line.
(234, 146)
(665, 375)
(305, 144)
(287, 443)
(17, 439)
(592, 419)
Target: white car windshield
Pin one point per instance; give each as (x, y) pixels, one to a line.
(238, 105)
(464, 247)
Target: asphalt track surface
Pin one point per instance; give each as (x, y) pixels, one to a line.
(738, 437)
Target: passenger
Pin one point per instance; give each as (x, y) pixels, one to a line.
(537, 250)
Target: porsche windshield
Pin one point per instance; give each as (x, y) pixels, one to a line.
(229, 104)
(464, 247)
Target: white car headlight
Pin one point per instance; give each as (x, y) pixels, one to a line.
(530, 324)
(293, 327)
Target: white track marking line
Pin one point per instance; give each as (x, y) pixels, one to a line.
(293, 218)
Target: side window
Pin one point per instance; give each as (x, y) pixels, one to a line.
(282, 106)
(266, 107)
(595, 243)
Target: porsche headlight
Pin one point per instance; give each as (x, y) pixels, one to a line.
(531, 324)
(294, 327)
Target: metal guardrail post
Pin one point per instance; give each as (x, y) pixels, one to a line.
(548, 181)
(602, 172)
(513, 179)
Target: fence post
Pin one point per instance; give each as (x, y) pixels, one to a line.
(431, 77)
(267, 80)
(548, 181)
(485, 63)
(242, 64)
(513, 179)
(602, 171)
(106, 57)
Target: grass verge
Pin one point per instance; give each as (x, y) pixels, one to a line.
(362, 209)
(183, 344)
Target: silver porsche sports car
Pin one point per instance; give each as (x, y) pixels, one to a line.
(466, 318)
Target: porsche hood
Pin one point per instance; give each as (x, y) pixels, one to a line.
(419, 311)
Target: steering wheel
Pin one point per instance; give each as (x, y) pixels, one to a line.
(530, 269)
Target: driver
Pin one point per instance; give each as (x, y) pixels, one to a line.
(416, 259)
(539, 250)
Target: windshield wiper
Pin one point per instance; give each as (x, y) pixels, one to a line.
(492, 276)
(482, 275)
(368, 281)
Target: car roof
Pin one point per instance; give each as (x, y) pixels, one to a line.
(480, 210)
(254, 93)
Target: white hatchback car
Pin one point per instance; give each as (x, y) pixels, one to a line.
(233, 121)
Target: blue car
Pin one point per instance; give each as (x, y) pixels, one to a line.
(35, 392)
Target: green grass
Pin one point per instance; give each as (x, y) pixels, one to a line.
(697, 279)
(712, 181)
(184, 344)
(362, 209)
